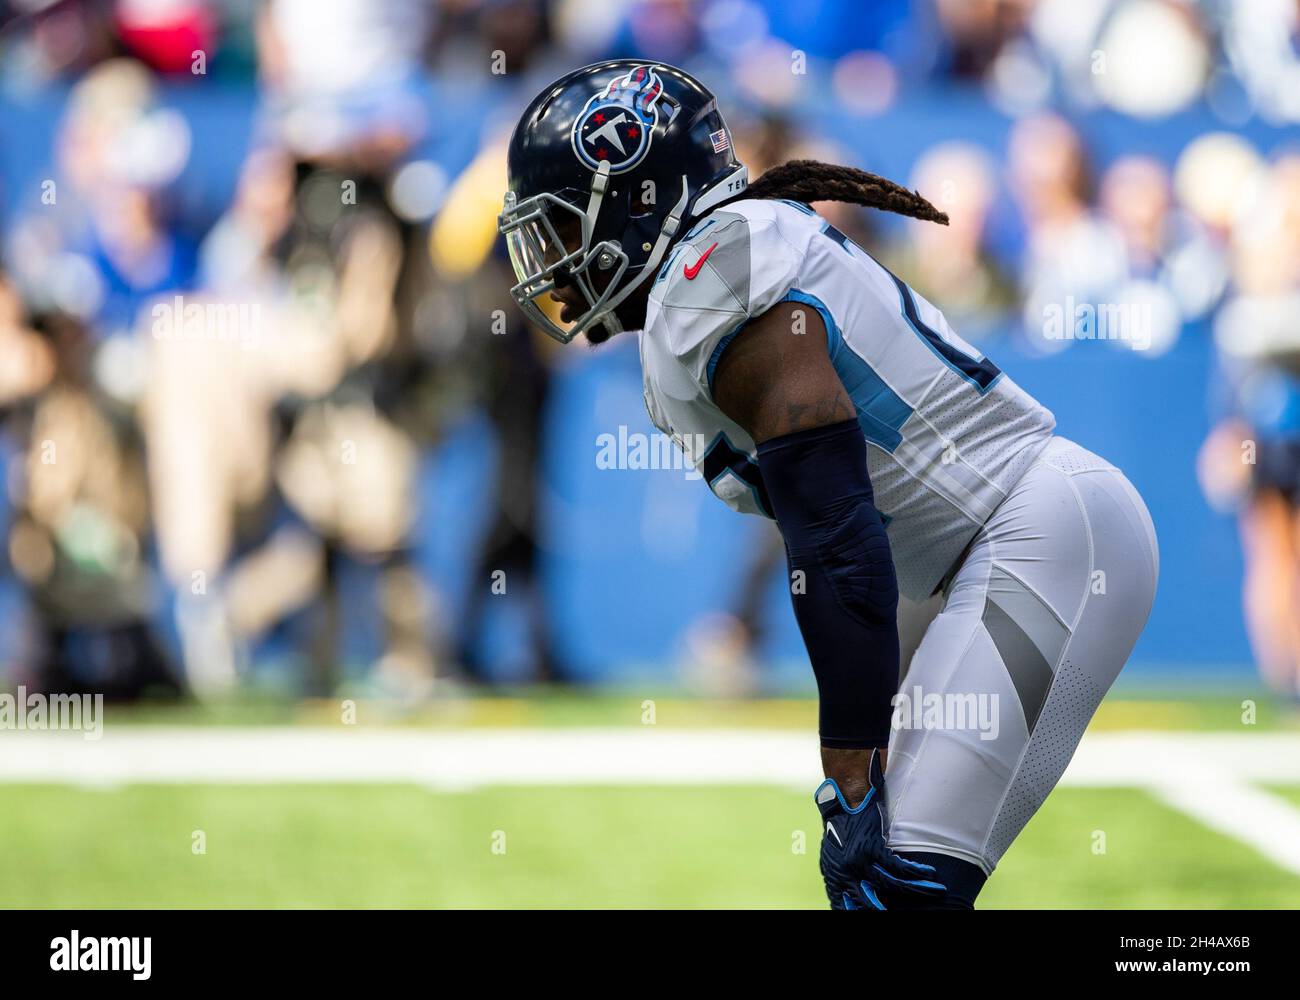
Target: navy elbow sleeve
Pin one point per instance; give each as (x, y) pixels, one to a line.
(842, 578)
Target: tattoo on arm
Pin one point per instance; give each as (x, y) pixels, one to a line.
(828, 410)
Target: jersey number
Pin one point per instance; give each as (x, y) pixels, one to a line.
(981, 372)
(722, 458)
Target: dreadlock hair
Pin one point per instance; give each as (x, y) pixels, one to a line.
(812, 180)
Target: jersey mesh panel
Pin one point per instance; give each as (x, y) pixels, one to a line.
(917, 513)
(980, 434)
(1071, 460)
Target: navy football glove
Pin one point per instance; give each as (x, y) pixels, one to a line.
(856, 863)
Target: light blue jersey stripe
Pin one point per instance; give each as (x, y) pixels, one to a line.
(881, 411)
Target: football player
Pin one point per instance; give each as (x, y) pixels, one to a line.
(810, 385)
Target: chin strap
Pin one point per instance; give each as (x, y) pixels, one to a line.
(666, 233)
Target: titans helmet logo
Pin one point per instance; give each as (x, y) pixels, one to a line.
(617, 124)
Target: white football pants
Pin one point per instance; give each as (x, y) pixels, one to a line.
(1033, 629)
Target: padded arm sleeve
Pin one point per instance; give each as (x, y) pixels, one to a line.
(841, 577)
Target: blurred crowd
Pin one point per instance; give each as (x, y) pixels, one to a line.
(214, 416)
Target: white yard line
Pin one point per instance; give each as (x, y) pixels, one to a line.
(1206, 775)
(454, 759)
(1265, 821)
(467, 758)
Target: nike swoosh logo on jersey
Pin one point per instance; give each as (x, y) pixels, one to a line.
(691, 272)
(831, 830)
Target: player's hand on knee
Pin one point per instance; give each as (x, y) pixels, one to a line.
(856, 861)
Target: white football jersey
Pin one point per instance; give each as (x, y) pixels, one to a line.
(947, 434)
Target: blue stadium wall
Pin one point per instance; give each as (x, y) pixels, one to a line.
(633, 558)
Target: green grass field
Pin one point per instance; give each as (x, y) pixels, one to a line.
(394, 846)
(403, 845)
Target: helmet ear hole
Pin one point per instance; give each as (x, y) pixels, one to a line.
(643, 202)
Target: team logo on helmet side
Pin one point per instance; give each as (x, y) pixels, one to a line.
(617, 124)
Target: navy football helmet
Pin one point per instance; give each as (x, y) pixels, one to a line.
(607, 167)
